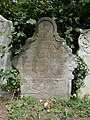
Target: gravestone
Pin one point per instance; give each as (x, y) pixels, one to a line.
(5, 34)
(84, 52)
(46, 64)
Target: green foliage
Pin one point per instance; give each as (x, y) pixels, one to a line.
(34, 117)
(21, 108)
(69, 15)
(12, 78)
(30, 100)
(63, 109)
(79, 74)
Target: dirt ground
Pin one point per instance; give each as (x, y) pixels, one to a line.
(3, 111)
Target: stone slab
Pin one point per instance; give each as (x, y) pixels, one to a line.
(5, 39)
(46, 64)
(84, 53)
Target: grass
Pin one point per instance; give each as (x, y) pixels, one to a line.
(29, 108)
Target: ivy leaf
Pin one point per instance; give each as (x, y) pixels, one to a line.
(79, 30)
(20, 34)
(72, 46)
(19, 104)
(9, 107)
(31, 21)
(16, 23)
(57, 110)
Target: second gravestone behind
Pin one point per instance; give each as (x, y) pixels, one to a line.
(5, 55)
(84, 52)
(46, 64)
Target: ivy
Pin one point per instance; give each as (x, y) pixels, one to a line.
(13, 80)
(79, 75)
(69, 15)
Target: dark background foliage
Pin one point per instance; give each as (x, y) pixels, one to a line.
(70, 15)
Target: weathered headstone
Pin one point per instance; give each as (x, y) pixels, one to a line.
(46, 64)
(5, 33)
(84, 52)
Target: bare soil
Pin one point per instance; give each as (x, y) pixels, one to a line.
(3, 111)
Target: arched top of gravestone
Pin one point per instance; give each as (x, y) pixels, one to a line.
(45, 27)
(2, 19)
(49, 23)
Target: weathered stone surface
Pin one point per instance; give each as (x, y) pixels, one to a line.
(46, 64)
(84, 52)
(5, 32)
